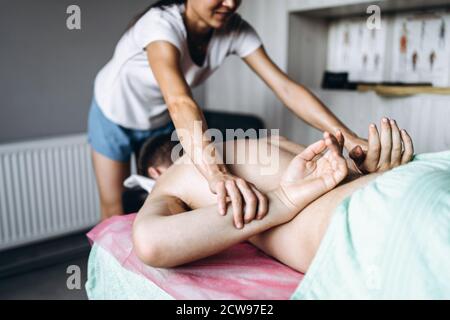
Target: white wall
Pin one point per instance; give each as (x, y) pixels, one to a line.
(236, 88)
(47, 71)
(425, 117)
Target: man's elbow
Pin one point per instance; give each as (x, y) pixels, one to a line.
(149, 248)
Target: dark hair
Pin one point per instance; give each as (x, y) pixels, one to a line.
(156, 151)
(160, 4)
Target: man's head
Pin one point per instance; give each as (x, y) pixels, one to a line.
(155, 156)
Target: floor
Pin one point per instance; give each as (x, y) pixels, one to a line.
(48, 283)
(54, 269)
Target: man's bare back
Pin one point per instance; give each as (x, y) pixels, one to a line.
(298, 240)
(182, 189)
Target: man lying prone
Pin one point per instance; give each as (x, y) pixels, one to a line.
(179, 222)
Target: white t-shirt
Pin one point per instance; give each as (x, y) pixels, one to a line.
(126, 90)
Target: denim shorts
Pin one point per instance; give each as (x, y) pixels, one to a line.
(114, 141)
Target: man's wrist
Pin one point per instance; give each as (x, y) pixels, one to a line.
(287, 208)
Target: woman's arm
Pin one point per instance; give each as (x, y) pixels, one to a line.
(299, 99)
(191, 126)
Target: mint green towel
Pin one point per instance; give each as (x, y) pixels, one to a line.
(108, 280)
(390, 239)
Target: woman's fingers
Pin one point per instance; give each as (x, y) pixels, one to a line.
(236, 202)
(263, 203)
(358, 156)
(396, 152)
(340, 139)
(332, 143)
(386, 145)
(247, 202)
(408, 147)
(221, 198)
(250, 200)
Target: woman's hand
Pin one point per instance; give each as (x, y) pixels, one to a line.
(353, 141)
(386, 150)
(312, 173)
(247, 201)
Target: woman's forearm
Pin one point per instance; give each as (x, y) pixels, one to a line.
(209, 161)
(308, 107)
(185, 237)
(191, 127)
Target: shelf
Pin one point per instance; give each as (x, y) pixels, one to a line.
(310, 30)
(401, 91)
(342, 8)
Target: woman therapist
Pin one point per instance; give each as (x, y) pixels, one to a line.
(170, 48)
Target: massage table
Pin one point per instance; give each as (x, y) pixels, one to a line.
(388, 240)
(241, 272)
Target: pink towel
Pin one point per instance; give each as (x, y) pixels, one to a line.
(240, 272)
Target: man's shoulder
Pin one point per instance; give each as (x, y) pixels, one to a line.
(176, 179)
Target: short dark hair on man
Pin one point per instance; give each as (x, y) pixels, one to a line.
(156, 151)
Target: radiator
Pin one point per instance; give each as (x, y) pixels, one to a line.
(47, 189)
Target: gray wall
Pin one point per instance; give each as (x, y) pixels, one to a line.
(235, 87)
(46, 70)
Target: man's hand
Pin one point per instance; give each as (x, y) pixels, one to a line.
(313, 172)
(242, 194)
(390, 149)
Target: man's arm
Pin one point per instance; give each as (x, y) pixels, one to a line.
(388, 149)
(165, 239)
(296, 243)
